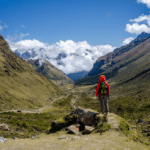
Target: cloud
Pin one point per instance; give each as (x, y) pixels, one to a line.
(68, 56)
(141, 19)
(23, 26)
(140, 24)
(16, 37)
(2, 27)
(147, 2)
(137, 29)
(127, 40)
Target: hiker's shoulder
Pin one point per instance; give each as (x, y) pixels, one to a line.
(106, 82)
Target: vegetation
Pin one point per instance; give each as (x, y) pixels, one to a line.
(21, 87)
(25, 125)
(103, 125)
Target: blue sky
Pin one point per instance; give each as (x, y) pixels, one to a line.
(49, 21)
(71, 27)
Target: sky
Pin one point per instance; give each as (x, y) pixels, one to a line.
(71, 27)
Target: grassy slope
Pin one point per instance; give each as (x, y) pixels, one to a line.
(24, 125)
(20, 86)
(50, 71)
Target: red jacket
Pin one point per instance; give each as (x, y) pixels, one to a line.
(102, 78)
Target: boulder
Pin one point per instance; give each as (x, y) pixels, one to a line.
(88, 117)
(73, 129)
(88, 129)
(79, 116)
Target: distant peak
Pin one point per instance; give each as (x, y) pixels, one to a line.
(143, 35)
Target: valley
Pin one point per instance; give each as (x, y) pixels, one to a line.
(30, 101)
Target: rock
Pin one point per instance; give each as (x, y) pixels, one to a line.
(60, 138)
(15, 138)
(88, 129)
(4, 127)
(34, 136)
(73, 129)
(2, 139)
(82, 126)
(140, 120)
(88, 116)
(133, 126)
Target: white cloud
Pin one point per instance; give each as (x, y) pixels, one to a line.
(137, 28)
(127, 40)
(17, 37)
(141, 19)
(147, 2)
(68, 56)
(2, 27)
(140, 24)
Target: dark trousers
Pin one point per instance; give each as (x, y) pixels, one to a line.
(103, 99)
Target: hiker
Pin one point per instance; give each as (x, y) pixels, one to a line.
(102, 92)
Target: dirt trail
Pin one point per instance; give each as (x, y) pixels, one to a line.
(41, 109)
(73, 101)
(34, 111)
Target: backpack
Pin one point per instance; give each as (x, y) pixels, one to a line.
(102, 88)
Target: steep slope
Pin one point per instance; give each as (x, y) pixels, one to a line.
(21, 86)
(50, 71)
(123, 64)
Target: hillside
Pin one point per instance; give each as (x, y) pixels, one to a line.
(20, 86)
(50, 71)
(126, 63)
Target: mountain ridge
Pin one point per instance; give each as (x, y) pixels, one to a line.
(50, 71)
(20, 85)
(113, 62)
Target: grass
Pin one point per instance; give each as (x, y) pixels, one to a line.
(60, 108)
(21, 87)
(106, 141)
(25, 125)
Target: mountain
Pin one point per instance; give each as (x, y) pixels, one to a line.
(31, 54)
(50, 71)
(142, 35)
(21, 87)
(77, 75)
(126, 63)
